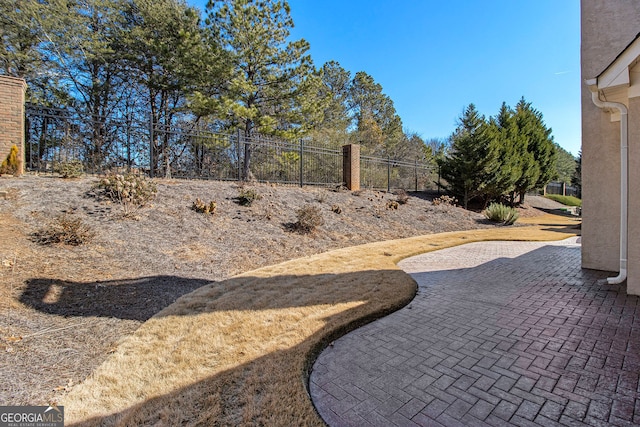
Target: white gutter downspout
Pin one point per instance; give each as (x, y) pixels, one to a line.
(624, 177)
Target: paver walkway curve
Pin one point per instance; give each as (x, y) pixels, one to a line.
(500, 333)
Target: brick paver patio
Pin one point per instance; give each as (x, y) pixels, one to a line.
(500, 333)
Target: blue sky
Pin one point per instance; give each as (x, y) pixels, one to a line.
(434, 57)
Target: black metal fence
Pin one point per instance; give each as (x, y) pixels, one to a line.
(563, 189)
(195, 150)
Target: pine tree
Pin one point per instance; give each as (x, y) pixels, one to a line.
(266, 90)
(472, 159)
(169, 60)
(379, 128)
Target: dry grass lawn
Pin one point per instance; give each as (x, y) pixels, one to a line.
(238, 351)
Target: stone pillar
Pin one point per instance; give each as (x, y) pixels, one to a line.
(12, 92)
(351, 166)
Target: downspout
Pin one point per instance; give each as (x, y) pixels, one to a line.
(624, 177)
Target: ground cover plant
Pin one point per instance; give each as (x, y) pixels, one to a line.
(565, 200)
(78, 308)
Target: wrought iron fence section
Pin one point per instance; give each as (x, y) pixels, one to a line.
(389, 174)
(291, 162)
(54, 136)
(189, 149)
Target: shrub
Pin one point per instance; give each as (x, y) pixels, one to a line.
(66, 229)
(11, 164)
(445, 200)
(402, 197)
(309, 218)
(131, 190)
(392, 204)
(336, 209)
(565, 200)
(247, 196)
(497, 212)
(205, 208)
(70, 169)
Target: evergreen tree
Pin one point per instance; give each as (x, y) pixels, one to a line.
(335, 88)
(473, 157)
(576, 179)
(540, 162)
(265, 93)
(506, 141)
(378, 126)
(165, 51)
(25, 26)
(565, 164)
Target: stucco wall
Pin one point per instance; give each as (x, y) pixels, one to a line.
(607, 28)
(633, 277)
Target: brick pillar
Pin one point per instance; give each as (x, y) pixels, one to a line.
(12, 91)
(351, 166)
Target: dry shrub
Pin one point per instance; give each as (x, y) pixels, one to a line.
(322, 197)
(66, 229)
(11, 164)
(336, 209)
(70, 169)
(392, 204)
(246, 196)
(445, 200)
(205, 208)
(131, 190)
(309, 218)
(402, 197)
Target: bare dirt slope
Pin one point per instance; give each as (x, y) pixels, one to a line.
(63, 309)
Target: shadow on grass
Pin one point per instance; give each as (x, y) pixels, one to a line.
(132, 299)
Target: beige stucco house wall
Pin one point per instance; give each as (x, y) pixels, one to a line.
(610, 50)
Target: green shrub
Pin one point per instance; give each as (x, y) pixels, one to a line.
(309, 218)
(66, 229)
(497, 212)
(246, 196)
(205, 208)
(131, 190)
(565, 200)
(11, 164)
(70, 169)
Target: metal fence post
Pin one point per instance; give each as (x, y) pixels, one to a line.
(301, 163)
(388, 174)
